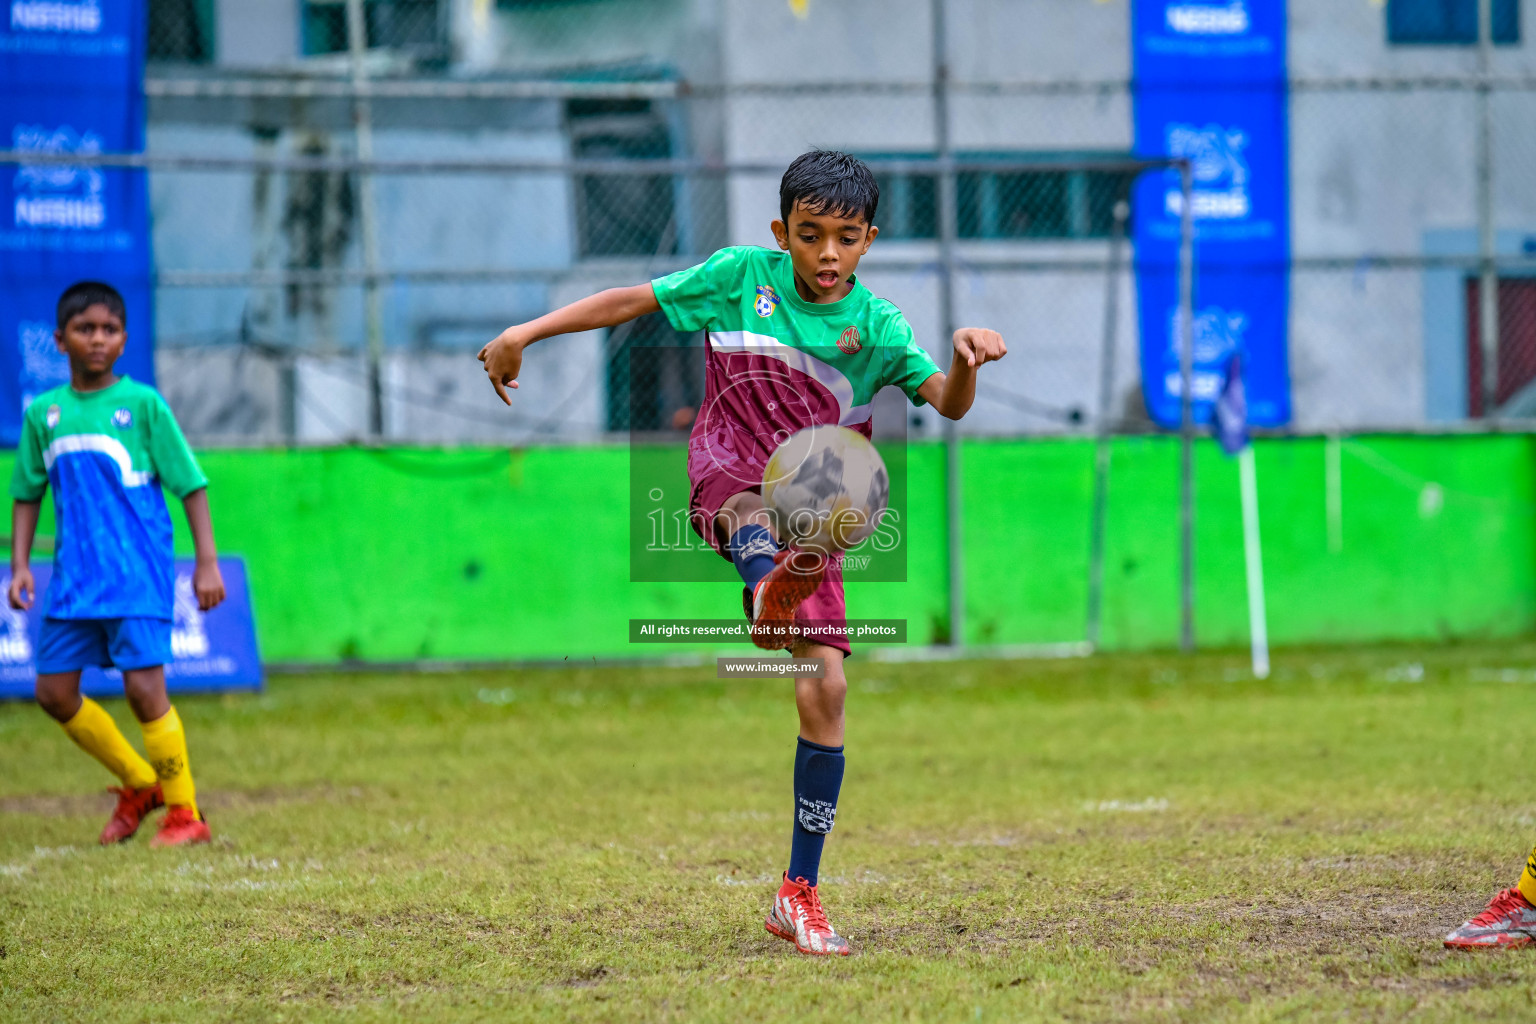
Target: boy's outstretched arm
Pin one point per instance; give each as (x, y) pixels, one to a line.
(23, 529)
(951, 394)
(503, 358)
(207, 581)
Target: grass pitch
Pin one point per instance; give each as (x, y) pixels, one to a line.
(1117, 838)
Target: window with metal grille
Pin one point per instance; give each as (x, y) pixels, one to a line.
(413, 26)
(1517, 344)
(1035, 204)
(655, 377)
(1451, 22)
(622, 214)
(181, 31)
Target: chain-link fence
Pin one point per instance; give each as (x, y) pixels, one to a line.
(524, 154)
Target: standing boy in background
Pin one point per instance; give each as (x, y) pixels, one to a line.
(106, 444)
(792, 340)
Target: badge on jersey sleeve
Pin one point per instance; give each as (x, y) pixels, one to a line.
(767, 301)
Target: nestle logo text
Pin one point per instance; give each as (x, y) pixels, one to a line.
(52, 16)
(1208, 20)
(60, 212)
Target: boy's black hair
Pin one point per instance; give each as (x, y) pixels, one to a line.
(83, 294)
(826, 181)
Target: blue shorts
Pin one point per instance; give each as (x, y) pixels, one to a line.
(68, 645)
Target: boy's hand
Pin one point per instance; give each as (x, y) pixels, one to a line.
(207, 584)
(503, 359)
(21, 591)
(978, 345)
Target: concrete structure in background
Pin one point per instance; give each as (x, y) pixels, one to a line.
(258, 34)
(1374, 172)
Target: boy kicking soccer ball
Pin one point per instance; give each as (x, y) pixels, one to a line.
(106, 444)
(793, 340)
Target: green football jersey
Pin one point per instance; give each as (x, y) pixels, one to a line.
(840, 352)
(106, 455)
(775, 363)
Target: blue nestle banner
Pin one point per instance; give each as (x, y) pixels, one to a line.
(1210, 86)
(71, 81)
(212, 650)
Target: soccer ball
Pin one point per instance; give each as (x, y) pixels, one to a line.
(826, 488)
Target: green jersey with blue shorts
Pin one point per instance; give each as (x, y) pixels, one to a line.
(106, 454)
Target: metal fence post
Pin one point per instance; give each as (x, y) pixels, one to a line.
(948, 208)
(1122, 213)
(1487, 242)
(362, 121)
(1187, 412)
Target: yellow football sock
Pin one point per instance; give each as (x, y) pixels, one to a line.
(94, 732)
(166, 743)
(1528, 879)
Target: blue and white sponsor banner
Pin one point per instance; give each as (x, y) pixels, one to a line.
(71, 81)
(211, 650)
(1210, 86)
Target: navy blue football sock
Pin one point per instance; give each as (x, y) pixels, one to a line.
(752, 549)
(818, 777)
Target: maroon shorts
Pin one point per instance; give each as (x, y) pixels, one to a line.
(824, 615)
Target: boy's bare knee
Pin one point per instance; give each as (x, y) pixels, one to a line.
(60, 698)
(833, 677)
(53, 706)
(145, 690)
(834, 688)
(831, 690)
(739, 510)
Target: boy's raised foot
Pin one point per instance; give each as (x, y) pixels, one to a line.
(1509, 920)
(797, 917)
(182, 827)
(772, 605)
(132, 806)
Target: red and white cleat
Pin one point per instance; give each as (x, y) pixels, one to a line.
(797, 917)
(1509, 920)
(772, 603)
(181, 827)
(132, 806)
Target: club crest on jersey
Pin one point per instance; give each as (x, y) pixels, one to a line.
(122, 419)
(767, 301)
(850, 342)
(52, 417)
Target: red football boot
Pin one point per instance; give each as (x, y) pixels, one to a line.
(797, 917)
(1509, 920)
(181, 827)
(132, 806)
(774, 600)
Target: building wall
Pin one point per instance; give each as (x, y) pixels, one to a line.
(1389, 172)
(212, 221)
(560, 39)
(1373, 172)
(255, 33)
(1053, 321)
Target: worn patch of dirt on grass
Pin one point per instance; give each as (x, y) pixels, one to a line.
(74, 805)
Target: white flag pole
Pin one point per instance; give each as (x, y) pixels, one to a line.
(1253, 556)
